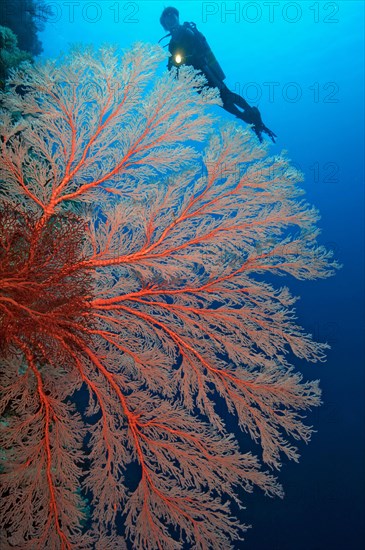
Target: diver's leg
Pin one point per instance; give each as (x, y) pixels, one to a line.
(237, 100)
(229, 99)
(230, 102)
(250, 115)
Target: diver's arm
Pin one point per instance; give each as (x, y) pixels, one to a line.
(193, 49)
(188, 44)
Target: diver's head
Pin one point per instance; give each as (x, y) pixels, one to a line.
(169, 18)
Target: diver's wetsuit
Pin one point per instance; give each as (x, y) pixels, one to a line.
(184, 41)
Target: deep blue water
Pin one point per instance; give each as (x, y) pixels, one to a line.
(302, 63)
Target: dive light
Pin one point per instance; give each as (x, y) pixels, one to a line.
(178, 59)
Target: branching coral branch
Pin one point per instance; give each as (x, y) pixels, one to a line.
(130, 303)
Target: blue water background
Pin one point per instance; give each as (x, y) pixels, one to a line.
(302, 63)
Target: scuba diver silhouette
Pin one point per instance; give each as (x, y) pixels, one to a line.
(188, 46)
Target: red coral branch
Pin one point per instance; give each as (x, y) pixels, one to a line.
(129, 303)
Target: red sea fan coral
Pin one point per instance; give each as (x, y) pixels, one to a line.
(132, 301)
